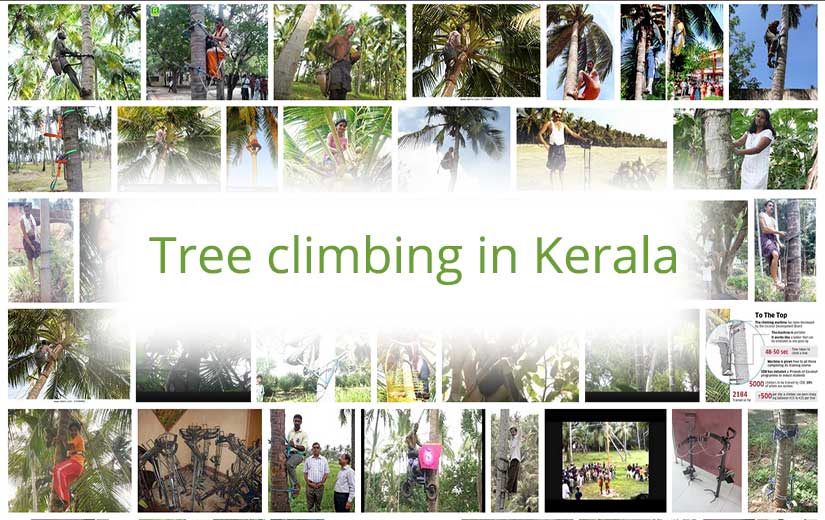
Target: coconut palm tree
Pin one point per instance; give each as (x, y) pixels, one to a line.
(497, 58)
(785, 420)
(790, 18)
(279, 491)
(100, 30)
(88, 359)
(197, 51)
(700, 27)
(718, 148)
(574, 36)
(286, 65)
(311, 162)
(642, 22)
(190, 155)
(104, 485)
(461, 125)
(793, 268)
(243, 125)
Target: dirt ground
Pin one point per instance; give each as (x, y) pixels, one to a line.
(163, 94)
(533, 174)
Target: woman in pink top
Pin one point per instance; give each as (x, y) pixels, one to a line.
(332, 143)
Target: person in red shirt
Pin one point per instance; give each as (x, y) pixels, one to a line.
(67, 471)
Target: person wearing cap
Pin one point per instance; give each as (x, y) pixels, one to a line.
(515, 460)
(31, 237)
(556, 158)
(217, 52)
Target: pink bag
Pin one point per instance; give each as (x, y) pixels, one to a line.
(429, 455)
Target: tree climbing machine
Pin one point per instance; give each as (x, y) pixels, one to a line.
(789, 432)
(692, 441)
(725, 474)
(63, 157)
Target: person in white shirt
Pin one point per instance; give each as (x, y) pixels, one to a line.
(556, 158)
(316, 470)
(756, 144)
(31, 237)
(565, 491)
(344, 491)
(245, 87)
(515, 460)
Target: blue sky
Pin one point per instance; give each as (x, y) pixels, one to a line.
(606, 16)
(649, 121)
(483, 172)
(802, 58)
(240, 175)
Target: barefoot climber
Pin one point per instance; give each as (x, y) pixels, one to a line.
(589, 79)
(769, 238)
(66, 472)
(344, 56)
(60, 64)
(772, 36)
(216, 44)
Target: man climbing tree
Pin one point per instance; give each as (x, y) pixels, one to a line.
(71, 120)
(217, 44)
(69, 460)
(279, 492)
(793, 266)
(789, 19)
(432, 475)
(786, 428)
(61, 65)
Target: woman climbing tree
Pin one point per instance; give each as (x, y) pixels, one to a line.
(756, 144)
(71, 467)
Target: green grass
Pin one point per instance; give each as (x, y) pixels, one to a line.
(766, 291)
(622, 486)
(358, 394)
(304, 91)
(299, 503)
(30, 178)
(761, 448)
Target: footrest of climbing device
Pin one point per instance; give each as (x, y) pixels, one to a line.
(62, 161)
(53, 135)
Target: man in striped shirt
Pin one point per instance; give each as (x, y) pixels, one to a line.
(316, 470)
(344, 485)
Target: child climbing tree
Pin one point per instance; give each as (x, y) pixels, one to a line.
(71, 148)
(279, 494)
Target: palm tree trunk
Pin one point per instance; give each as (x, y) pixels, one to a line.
(45, 278)
(784, 454)
(452, 78)
(778, 81)
(33, 481)
(670, 32)
(718, 148)
(793, 253)
(435, 438)
(501, 456)
(71, 141)
(287, 63)
(352, 439)
(569, 443)
(37, 388)
(197, 51)
(641, 52)
(571, 77)
(87, 62)
(279, 497)
(42, 81)
(63, 419)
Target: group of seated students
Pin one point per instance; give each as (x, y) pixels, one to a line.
(573, 477)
